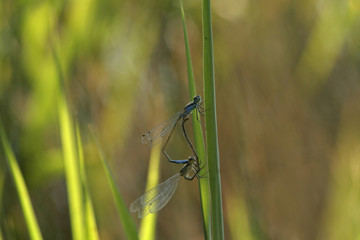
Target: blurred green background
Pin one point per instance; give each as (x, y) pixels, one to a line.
(288, 91)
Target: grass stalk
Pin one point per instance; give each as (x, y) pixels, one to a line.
(17, 177)
(211, 125)
(91, 229)
(125, 217)
(198, 137)
(148, 224)
(71, 160)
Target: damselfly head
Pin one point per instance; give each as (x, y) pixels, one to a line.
(192, 161)
(197, 99)
(191, 169)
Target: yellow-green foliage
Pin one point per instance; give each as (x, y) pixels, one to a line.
(281, 90)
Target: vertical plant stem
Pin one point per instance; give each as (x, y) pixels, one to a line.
(91, 229)
(72, 173)
(125, 217)
(211, 125)
(71, 160)
(198, 136)
(24, 197)
(147, 230)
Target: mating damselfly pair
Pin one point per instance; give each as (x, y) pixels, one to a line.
(156, 198)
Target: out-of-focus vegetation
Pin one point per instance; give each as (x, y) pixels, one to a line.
(287, 86)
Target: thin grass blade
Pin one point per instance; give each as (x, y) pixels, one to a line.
(125, 217)
(71, 160)
(91, 229)
(198, 136)
(211, 125)
(17, 177)
(148, 224)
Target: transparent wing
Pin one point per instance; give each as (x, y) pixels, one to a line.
(160, 131)
(156, 198)
(163, 198)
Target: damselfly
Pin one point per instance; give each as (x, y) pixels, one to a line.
(156, 198)
(166, 128)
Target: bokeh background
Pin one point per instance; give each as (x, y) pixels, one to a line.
(288, 91)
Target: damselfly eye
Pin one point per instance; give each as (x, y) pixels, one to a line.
(197, 99)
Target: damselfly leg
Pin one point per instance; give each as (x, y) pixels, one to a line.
(187, 137)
